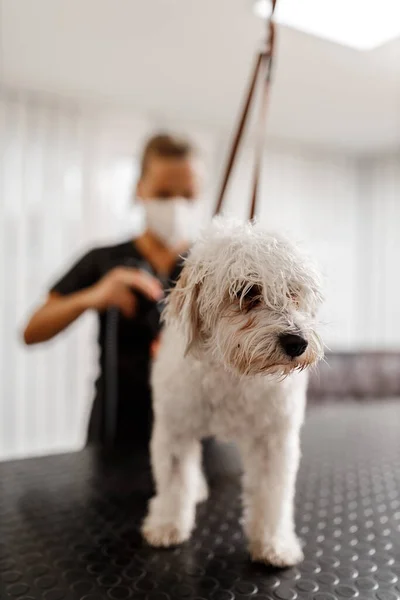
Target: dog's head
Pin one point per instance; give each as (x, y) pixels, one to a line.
(248, 300)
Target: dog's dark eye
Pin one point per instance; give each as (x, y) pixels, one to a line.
(250, 297)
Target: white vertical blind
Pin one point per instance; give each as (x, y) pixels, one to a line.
(66, 176)
(380, 249)
(41, 222)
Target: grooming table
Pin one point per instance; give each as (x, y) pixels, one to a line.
(69, 525)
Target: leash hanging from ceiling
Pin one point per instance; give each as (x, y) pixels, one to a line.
(262, 70)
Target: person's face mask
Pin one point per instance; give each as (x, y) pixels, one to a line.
(171, 220)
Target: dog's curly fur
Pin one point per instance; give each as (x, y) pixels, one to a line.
(223, 370)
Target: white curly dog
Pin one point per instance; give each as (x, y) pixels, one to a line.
(240, 332)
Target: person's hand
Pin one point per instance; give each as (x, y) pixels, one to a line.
(154, 348)
(116, 289)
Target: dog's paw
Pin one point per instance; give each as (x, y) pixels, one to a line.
(282, 554)
(164, 535)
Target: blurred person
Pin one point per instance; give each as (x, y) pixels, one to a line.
(130, 277)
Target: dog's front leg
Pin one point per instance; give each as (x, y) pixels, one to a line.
(269, 485)
(176, 463)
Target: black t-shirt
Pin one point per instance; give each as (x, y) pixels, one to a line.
(131, 341)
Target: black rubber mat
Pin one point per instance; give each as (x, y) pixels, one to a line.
(69, 524)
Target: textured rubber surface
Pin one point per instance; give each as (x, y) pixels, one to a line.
(69, 525)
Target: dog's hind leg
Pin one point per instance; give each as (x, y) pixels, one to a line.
(176, 462)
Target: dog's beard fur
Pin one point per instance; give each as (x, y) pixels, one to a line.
(240, 291)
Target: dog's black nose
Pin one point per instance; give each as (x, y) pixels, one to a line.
(293, 345)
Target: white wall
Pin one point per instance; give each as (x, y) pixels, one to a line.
(379, 225)
(66, 183)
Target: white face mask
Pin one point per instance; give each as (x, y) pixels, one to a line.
(172, 220)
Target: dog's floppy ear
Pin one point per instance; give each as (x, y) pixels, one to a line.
(183, 307)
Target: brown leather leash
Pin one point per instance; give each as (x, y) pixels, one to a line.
(263, 70)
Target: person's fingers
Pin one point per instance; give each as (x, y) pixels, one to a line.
(127, 303)
(149, 286)
(142, 281)
(155, 345)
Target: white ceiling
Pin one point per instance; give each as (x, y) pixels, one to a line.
(191, 59)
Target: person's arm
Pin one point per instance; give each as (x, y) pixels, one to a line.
(114, 290)
(54, 316)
